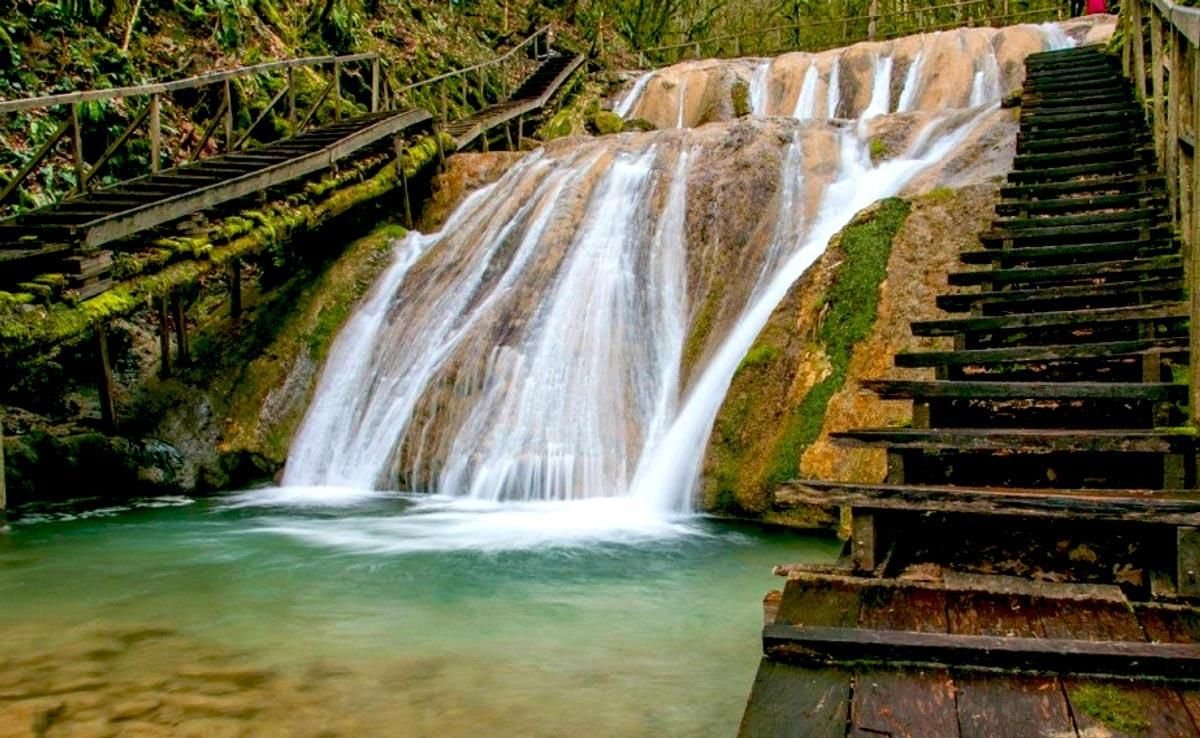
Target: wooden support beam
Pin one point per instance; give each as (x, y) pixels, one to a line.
(37, 158)
(261, 117)
(208, 131)
(873, 11)
(864, 541)
(1174, 109)
(3, 486)
(1192, 256)
(520, 131)
(235, 289)
(313, 110)
(1158, 93)
(179, 317)
(113, 147)
(108, 415)
(398, 144)
(155, 133)
(1188, 561)
(164, 338)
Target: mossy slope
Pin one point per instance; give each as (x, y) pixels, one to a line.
(776, 403)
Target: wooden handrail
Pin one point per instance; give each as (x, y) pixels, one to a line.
(158, 88)
(806, 26)
(475, 67)
(1172, 107)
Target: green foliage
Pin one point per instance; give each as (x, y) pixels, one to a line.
(878, 148)
(851, 308)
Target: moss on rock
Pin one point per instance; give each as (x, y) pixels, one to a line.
(777, 400)
(606, 123)
(739, 94)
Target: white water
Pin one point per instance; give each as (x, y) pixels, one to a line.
(759, 92)
(834, 94)
(581, 400)
(806, 103)
(912, 85)
(630, 98)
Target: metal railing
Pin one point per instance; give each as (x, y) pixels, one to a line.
(1166, 79)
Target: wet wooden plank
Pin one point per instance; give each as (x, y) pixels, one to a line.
(1114, 708)
(789, 701)
(830, 602)
(1174, 624)
(909, 704)
(1004, 706)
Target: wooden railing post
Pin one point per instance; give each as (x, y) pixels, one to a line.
(179, 316)
(337, 90)
(873, 12)
(77, 148)
(1192, 254)
(164, 338)
(155, 133)
(445, 101)
(375, 85)
(291, 85)
(1171, 142)
(228, 117)
(1139, 48)
(1157, 95)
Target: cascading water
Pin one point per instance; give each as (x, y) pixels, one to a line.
(532, 350)
(759, 94)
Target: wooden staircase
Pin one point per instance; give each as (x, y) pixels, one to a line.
(1059, 398)
(1035, 542)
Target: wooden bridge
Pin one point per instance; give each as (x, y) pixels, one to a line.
(1031, 564)
(68, 235)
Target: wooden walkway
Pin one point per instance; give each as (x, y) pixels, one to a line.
(68, 236)
(1031, 564)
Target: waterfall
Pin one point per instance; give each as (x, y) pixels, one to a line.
(912, 84)
(833, 95)
(881, 89)
(532, 350)
(986, 85)
(806, 103)
(625, 105)
(760, 94)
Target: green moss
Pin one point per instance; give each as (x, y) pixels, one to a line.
(605, 123)
(639, 124)
(740, 96)
(702, 325)
(879, 149)
(852, 305)
(1106, 704)
(758, 355)
(940, 195)
(160, 271)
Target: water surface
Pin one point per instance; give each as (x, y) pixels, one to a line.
(318, 612)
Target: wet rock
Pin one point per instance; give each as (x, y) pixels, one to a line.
(135, 708)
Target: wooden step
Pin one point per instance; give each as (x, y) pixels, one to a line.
(898, 389)
(1020, 440)
(1079, 154)
(1033, 101)
(1016, 225)
(1131, 165)
(1156, 507)
(1103, 184)
(1055, 208)
(1135, 292)
(1080, 111)
(1124, 230)
(1084, 252)
(825, 647)
(1118, 270)
(1043, 354)
(1033, 144)
(1157, 313)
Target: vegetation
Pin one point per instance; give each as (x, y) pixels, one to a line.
(1107, 705)
(745, 461)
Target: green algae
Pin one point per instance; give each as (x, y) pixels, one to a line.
(739, 95)
(1107, 705)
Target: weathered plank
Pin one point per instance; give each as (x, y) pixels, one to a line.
(1032, 440)
(788, 701)
(891, 389)
(1153, 507)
